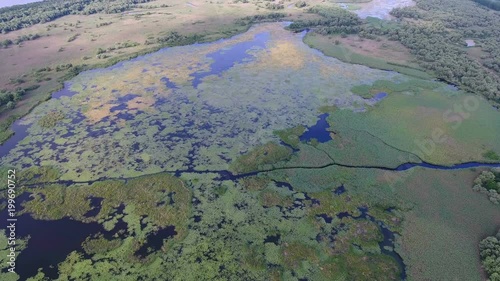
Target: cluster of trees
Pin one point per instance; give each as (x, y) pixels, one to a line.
(17, 17)
(7, 42)
(118, 46)
(488, 182)
(438, 42)
(260, 18)
(334, 20)
(300, 4)
(493, 4)
(274, 6)
(489, 249)
(175, 39)
(9, 98)
(62, 67)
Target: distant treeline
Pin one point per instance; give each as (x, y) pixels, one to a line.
(260, 18)
(437, 41)
(493, 4)
(17, 17)
(334, 20)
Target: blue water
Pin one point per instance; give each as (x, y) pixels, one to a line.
(168, 83)
(379, 96)
(226, 58)
(50, 240)
(154, 241)
(319, 131)
(8, 3)
(407, 166)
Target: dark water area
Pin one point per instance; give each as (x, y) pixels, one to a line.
(95, 204)
(49, 244)
(379, 96)
(65, 92)
(282, 184)
(223, 60)
(339, 190)
(342, 215)
(226, 58)
(327, 218)
(51, 241)
(168, 83)
(273, 239)
(319, 131)
(20, 132)
(154, 241)
(224, 175)
(407, 166)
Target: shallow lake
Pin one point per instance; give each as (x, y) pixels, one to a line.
(192, 107)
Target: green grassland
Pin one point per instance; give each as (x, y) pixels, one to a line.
(350, 54)
(438, 125)
(441, 234)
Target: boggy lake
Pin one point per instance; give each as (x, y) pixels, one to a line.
(194, 106)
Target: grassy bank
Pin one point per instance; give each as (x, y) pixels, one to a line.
(366, 52)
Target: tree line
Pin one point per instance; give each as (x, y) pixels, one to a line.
(334, 20)
(21, 16)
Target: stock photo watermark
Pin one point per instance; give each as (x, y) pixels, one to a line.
(11, 220)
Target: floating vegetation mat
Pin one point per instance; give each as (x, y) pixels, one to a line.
(188, 108)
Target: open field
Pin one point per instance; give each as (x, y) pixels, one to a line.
(439, 125)
(381, 53)
(441, 235)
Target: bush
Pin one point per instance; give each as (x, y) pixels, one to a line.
(488, 182)
(301, 4)
(11, 105)
(489, 249)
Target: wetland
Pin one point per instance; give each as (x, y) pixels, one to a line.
(252, 156)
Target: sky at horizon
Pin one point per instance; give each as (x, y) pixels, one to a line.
(7, 3)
